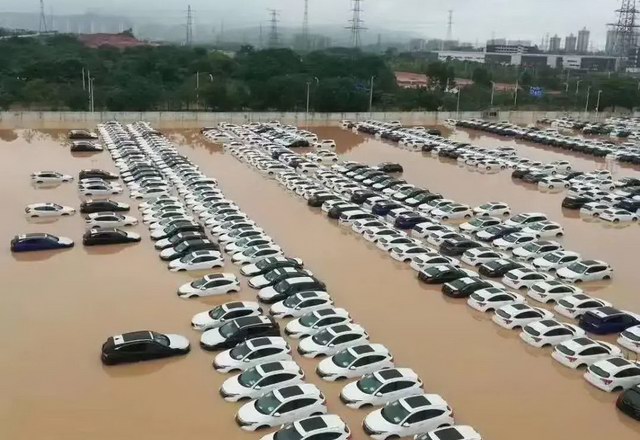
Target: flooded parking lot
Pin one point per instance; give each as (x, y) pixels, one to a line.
(59, 307)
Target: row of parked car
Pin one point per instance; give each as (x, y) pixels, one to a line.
(538, 324)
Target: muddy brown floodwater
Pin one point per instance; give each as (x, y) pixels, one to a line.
(58, 307)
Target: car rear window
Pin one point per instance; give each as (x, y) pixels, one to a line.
(564, 350)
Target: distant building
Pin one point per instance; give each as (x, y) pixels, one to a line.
(610, 45)
(417, 45)
(633, 62)
(408, 80)
(570, 43)
(473, 57)
(118, 41)
(554, 43)
(509, 49)
(497, 42)
(518, 42)
(583, 41)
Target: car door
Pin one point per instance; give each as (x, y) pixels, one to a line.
(274, 381)
(134, 351)
(367, 364)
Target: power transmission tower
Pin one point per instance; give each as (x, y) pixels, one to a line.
(305, 27)
(450, 26)
(356, 23)
(43, 19)
(189, 37)
(274, 37)
(626, 29)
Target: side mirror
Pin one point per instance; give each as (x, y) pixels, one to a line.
(405, 425)
(378, 394)
(332, 345)
(352, 368)
(276, 414)
(258, 387)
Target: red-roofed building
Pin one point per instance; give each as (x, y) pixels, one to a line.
(119, 41)
(408, 80)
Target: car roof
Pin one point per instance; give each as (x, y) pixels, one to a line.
(395, 373)
(219, 276)
(344, 328)
(289, 392)
(272, 367)
(604, 312)
(361, 350)
(421, 401)
(256, 343)
(615, 364)
(318, 423)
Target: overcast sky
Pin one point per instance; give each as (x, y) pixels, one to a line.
(472, 19)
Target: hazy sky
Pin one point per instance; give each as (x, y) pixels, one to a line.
(473, 19)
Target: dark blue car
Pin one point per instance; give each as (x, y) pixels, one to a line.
(383, 208)
(39, 242)
(606, 320)
(408, 221)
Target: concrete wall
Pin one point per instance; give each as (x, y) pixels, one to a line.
(36, 120)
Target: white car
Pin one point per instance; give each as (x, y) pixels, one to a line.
(226, 228)
(549, 332)
(630, 339)
(355, 362)
(375, 233)
(479, 223)
(617, 215)
(251, 353)
(392, 241)
(148, 193)
(438, 237)
(478, 256)
(381, 387)
(210, 285)
(360, 226)
(283, 405)
(573, 306)
(198, 260)
(313, 322)
(491, 298)
(585, 270)
(457, 432)
(535, 249)
(452, 212)
(332, 339)
(556, 260)
(408, 416)
(256, 253)
(166, 199)
(301, 304)
(423, 261)
(313, 428)
(276, 275)
(582, 352)
(261, 379)
(99, 190)
(512, 241)
(405, 253)
(613, 374)
(261, 266)
(423, 230)
(524, 278)
(239, 234)
(491, 209)
(518, 315)
(551, 290)
(50, 177)
(36, 210)
(553, 183)
(246, 243)
(593, 209)
(223, 313)
(526, 219)
(109, 220)
(435, 204)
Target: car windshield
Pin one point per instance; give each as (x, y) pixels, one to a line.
(293, 301)
(281, 286)
(274, 274)
(228, 329)
(249, 378)
(309, 320)
(263, 264)
(477, 222)
(537, 226)
(267, 404)
(519, 218)
(343, 359)
(598, 371)
(199, 283)
(161, 339)
(510, 238)
(394, 412)
(240, 352)
(250, 252)
(493, 229)
(578, 268)
(216, 313)
(553, 257)
(289, 432)
(531, 247)
(322, 338)
(368, 384)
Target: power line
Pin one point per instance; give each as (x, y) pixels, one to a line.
(305, 27)
(189, 36)
(356, 23)
(626, 29)
(43, 19)
(274, 37)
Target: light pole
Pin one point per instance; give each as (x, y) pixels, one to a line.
(371, 96)
(578, 86)
(493, 90)
(586, 105)
(198, 86)
(309, 91)
(515, 99)
(598, 104)
(566, 87)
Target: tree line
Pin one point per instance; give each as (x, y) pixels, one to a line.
(46, 74)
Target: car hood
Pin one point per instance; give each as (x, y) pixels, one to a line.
(376, 422)
(233, 386)
(203, 320)
(224, 359)
(249, 270)
(352, 392)
(212, 337)
(248, 413)
(565, 272)
(309, 345)
(267, 293)
(279, 308)
(258, 281)
(168, 252)
(327, 366)
(294, 326)
(178, 341)
(65, 240)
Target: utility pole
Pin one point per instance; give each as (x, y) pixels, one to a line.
(586, 106)
(306, 43)
(356, 24)
(450, 26)
(515, 99)
(43, 19)
(598, 104)
(189, 36)
(578, 86)
(493, 90)
(458, 104)
(274, 38)
(84, 87)
(371, 95)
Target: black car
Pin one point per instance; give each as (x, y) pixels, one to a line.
(495, 232)
(424, 197)
(102, 236)
(101, 174)
(390, 167)
(626, 182)
(464, 287)
(239, 330)
(316, 201)
(519, 173)
(186, 247)
(457, 247)
(92, 206)
(498, 268)
(176, 239)
(334, 212)
(409, 220)
(81, 134)
(142, 346)
(289, 287)
(576, 202)
(629, 402)
(383, 207)
(85, 147)
(177, 227)
(628, 204)
(361, 196)
(441, 274)
(268, 264)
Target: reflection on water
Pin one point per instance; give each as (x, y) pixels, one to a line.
(60, 306)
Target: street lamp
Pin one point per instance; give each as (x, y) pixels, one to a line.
(458, 104)
(586, 105)
(515, 98)
(309, 91)
(371, 95)
(198, 86)
(578, 86)
(598, 104)
(493, 89)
